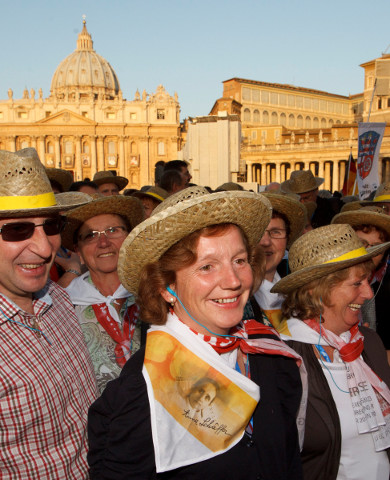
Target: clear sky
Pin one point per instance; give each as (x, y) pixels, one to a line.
(192, 46)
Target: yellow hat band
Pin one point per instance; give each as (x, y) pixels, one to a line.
(28, 202)
(349, 256)
(151, 194)
(382, 198)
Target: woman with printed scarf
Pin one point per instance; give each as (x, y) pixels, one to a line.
(107, 311)
(347, 430)
(209, 396)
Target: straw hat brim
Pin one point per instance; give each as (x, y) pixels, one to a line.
(65, 201)
(120, 181)
(294, 211)
(306, 275)
(153, 237)
(63, 177)
(129, 207)
(364, 217)
(286, 186)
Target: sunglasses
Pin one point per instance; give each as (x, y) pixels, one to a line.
(19, 231)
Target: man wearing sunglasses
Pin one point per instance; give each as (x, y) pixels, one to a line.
(46, 376)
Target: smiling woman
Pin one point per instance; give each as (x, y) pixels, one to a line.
(193, 403)
(348, 404)
(106, 310)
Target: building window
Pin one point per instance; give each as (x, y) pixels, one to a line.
(291, 120)
(247, 115)
(111, 147)
(22, 115)
(246, 93)
(300, 121)
(47, 114)
(1, 115)
(274, 118)
(161, 148)
(69, 147)
(50, 147)
(85, 148)
(110, 116)
(265, 117)
(388, 104)
(308, 122)
(24, 144)
(254, 135)
(160, 114)
(256, 116)
(379, 104)
(133, 116)
(283, 119)
(84, 114)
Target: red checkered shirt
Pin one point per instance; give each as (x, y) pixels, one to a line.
(45, 390)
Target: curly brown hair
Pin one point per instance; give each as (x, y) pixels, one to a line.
(155, 276)
(307, 302)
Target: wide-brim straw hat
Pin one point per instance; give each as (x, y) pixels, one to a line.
(155, 193)
(294, 210)
(177, 219)
(107, 176)
(323, 251)
(25, 189)
(301, 181)
(365, 216)
(61, 176)
(128, 207)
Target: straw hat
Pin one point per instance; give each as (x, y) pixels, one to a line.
(365, 216)
(108, 177)
(226, 187)
(25, 189)
(63, 177)
(156, 193)
(322, 251)
(153, 237)
(301, 181)
(350, 206)
(128, 207)
(289, 205)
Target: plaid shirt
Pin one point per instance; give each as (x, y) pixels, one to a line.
(45, 390)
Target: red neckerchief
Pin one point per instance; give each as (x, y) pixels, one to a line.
(269, 346)
(123, 338)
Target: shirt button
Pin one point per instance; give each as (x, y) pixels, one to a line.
(250, 443)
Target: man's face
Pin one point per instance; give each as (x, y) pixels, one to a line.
(186, 176)
(25, 265)
(309, 196)
(108, 189)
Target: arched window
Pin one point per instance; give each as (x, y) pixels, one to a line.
(161, 148)
(307, 122)
(300, 121)
(323, 123)
(274, 118)
(256, 116)
(247, 115)
(316, 123)
(291, 120)
(265, 117)
(283, 119)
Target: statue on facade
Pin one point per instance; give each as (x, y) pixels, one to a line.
(351, 133)
(32, 93)
(137, 95)
(10, 93)
(144, 95)
(320, 136)
(307, 136)
(292, 137)
(40, 93)
(25, 94)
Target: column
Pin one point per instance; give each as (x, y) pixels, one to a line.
(327, 176)
(341, 175)
(41, 149)
(335, 176)
(263, 174)
(57, 151)
(121, 159)
(34, 142)
(320, 168)
(277, 172)
(77, 160)
(11, 143)
(93, 155)
(268, 181)
(100, 152)
(249, 170)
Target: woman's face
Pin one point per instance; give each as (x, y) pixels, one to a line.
(101, 254)
(215, 289)
(371, 239)
(346, 300)
(274, 248)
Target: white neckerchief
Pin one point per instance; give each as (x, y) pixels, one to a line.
(176, 360)
(266, 299)
(84, 293)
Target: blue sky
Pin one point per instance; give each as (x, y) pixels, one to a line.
(192, 46)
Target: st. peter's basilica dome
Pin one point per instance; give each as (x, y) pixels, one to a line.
(84, 74)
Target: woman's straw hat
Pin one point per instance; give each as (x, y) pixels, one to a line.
(155, 193)
(301, 181)
(365, 216)
(294, 210)
(322, 251)
(382, 195)
(174, 219)
(107, 176)
(25, 189)
(63, 177)
(128, 207)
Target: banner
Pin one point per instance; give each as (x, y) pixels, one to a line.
(349, 186)
(369, 143)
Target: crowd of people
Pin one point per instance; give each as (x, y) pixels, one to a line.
(181, 332)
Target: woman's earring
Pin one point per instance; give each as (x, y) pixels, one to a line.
(172, 302)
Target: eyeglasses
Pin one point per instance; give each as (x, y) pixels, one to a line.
(19, 231)
(277, 233)
(110, 233)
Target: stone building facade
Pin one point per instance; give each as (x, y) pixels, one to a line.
(85, 125)
(286, 128)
